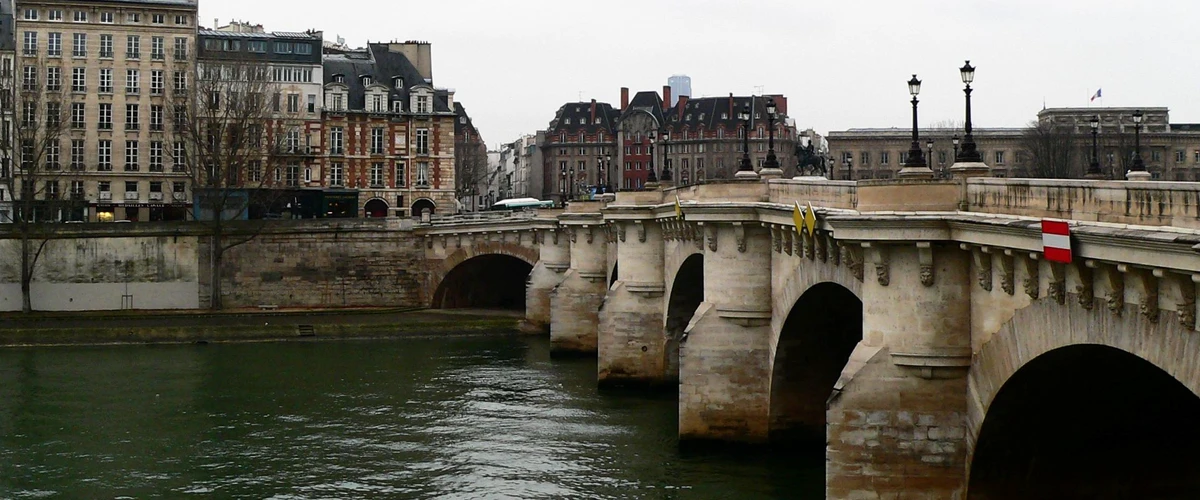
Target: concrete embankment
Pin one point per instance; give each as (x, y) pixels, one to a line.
(140, 327)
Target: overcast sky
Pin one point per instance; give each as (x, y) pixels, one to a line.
(841, 64)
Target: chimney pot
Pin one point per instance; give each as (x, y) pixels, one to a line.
(624, 98)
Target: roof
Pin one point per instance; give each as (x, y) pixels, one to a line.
(277, 34)
(180, 3)
(382, 65)
(576, 117)
(900, 132)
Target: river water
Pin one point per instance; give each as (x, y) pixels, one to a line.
(449, 417)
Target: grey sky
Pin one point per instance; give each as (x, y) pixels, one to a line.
(841, 64)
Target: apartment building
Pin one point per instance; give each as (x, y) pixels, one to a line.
(107, 64)
(7, 56)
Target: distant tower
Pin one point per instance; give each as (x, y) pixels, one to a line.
(680, 85)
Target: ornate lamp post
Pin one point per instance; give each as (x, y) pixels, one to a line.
(666, 152)
(771, 165)
(848, 164)
(573, 181)
(562, 184)
(915, 166)
(607, 174)
(968, 154)
(954, 141)
(929, 152)
(651, 177)
(1093, 171)
(745, 169)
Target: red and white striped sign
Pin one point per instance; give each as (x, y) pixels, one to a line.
(1056, 241)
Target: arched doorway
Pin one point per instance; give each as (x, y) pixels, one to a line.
(376, 208)
(420, 206)
(687, 292)
(486, 282)
(816, 340)
(1088, 421)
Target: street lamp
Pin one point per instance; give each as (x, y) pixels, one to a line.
(771, 162)
(745, 169)
(1094, 167)
(562, 183)
(968, 154)
(848, 164)
(929, 149)
(573, 182)
(1138, 166)
(954, 141)
(915, 165)
(652, 177)
(606, 172)
(666, 152)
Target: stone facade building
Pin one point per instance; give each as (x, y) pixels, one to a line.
(8, 55)
(388, 134)
(879, 153)
(579, 138)
(113, 61)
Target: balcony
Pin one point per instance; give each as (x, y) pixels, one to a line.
(131, 196)
(105, 195)
(133, 55)
(154, 196)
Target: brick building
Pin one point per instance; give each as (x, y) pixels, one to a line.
(580, 138)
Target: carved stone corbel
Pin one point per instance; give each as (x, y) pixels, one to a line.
(710, 233)
(698, 236)
(1084, 290)
(641, 231)
(819, 247)
(1032, 276)
(810, 252)
(591, 233)
(554, 235)
(1115, 297)
(1007, 273)
(788, 235)
(983, 267)
(572, 232)
(1057, 287)
(621, 231)
(776, 239)
(835, 250)
(1187, 300)
(881, 260)
(925, 258)
(1149, 305)
(445, 241)
(429, 242)
(739, 234)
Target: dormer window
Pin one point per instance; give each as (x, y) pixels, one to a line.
(597, 121)
(462, 120)
(339, 78)
(397, 106)
(397, 82)
(568, 121)
(366, 80)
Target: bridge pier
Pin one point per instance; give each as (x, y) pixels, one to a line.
(632, 345)
(897, 417)
(554, 258)
(575, 303)
(725, 364)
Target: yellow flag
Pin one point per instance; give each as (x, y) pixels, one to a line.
(810, 220)
(798, 217)
(678, 209)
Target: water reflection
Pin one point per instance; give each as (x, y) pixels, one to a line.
(462, 417)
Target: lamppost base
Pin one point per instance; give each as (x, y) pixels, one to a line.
(1098, 176)
(770, 173)
(652, 185)
(1138, 175)
(964, 170)
(915, 173)
(810, 178)
(746, 175)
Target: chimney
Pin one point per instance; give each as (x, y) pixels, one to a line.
(731, 113)
(593, 119)
(683, 100)
(666, 97)
(624, 98)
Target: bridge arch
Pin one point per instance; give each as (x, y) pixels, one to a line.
(686, 294)
(489, 275)
(1069, 402)
(813, 346)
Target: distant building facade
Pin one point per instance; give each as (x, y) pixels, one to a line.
(681, 85)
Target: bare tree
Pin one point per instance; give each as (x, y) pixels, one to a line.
(1053, 151)
(470, 167)
(958, 124)
(233, 142)
(35, 96)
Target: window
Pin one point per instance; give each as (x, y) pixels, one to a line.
(106, 17)
(81, 16)
(179, 156)
(133, 17)
(157, 18)
(181, 20)
(53, 78)
(293, 103)
(903, 157)
(255, 171)
(292, 141)
(132, 81)
(79, 45)
(214, 100)
(30, 45)
(131, 156)
(156, 82)
(106, 46)
(30, 15)
(157, 48)
(303, 49)
(401, 178)
(28, 114)
(422, 141)
(283, 48)
(376, 178)
(54, 15)
(1180, 157)
(378, 103)
(131, 117)
(180, 81)
(337, 101)
(293, 175)
(156, 156)
(864, 158)
(53, 114)
(131, 188)
(77, 154)
(423, 174)
(156, 117)
(180, 48)
(257, 46)
(999, 157)
(1156, 155)
(54, 44)
(106, 81)
(377, 141)
(78, 80)
(133, 47)
(335, 140)
(156, 186)
(335, 174)
(942, 157)
(105, 116)
(180, 115)
(77, 116)
(883, 158)
(52, 190)
(312, 103)
(104, 156)
(52, 155)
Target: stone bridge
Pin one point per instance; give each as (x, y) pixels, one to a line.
(917, 336)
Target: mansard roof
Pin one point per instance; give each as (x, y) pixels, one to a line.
(383, 66)
(575, 117)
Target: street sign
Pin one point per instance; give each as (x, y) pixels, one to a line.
(1056, 241)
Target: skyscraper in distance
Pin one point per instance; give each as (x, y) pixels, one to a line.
(680, 85)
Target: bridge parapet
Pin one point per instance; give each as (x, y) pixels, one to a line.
(1145, 203)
